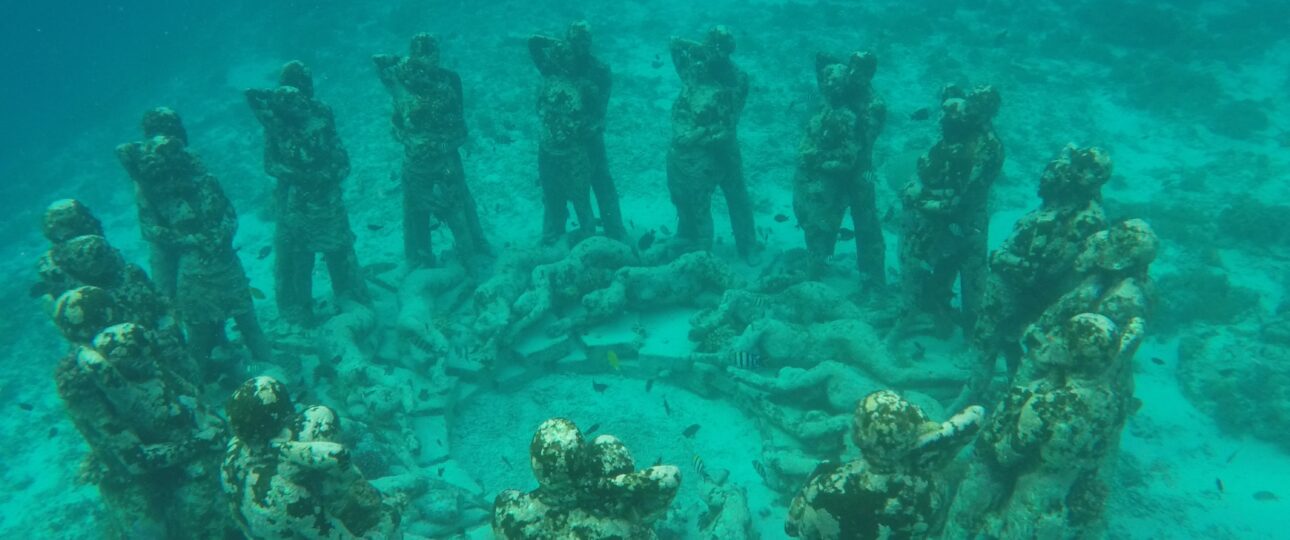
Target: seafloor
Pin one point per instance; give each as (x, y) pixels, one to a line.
(1188, 98)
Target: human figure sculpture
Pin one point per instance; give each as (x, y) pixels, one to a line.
(946, 223)
(286, 475)
(896, 489)
(63, 220)
(1039, 464)
(154, 449)
(704, 154)
(1036, 264)
(571, 105)
(429, 121)
(835, 164)
(190, 225)
(303, 152)
(588, 490)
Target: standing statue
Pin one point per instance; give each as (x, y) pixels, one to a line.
(190, 224)
(835, 167)
(429, 122)
(947, 220)
(303, 152)
(705, 146)
(571, 105)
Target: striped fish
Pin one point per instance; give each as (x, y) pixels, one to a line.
(745, 360)
(699, 466)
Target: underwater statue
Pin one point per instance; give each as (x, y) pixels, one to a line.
(588, 490)
(897, 489)
(571, 106)
(946, 218)
(704, 154)
(154, 449)
(429, 121)
(63, 220)
(190, 223)
(286, 474)
(835, 165)
(1036, 264)
(303, 151)
(1040, 464)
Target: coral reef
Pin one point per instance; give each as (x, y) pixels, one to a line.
(896, 489)
(287, 475)
(588, 490)
(1240, 381)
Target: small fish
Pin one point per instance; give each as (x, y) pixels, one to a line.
(598, 387)
(920, 114)
(612, 358)
(1227, 372)
(424, 395)
(375, 226)
(507, 462)
(264, 252)
(440, 472)
(594, 428)
(780, 218)
(667, 408)
(691, 431)
(746, 360)
(666, 231)
(53, 432)
(336, 359)
(656, 63)
(699, 466)
(920, 352)
(1232, 456)
(890, 216)
(257, 294)
(1157, 360)
(26, 406)
(760, 469)
(1218, 482)
(646, 240)
(649, 385)
(846, 235)
(658, 461)
(1266, 496)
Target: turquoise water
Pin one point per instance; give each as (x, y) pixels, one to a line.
(1183, 96)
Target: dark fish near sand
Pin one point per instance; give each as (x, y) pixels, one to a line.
(375, 226)
(823, 468)
(667, 408)
(257, 294)
(507, 462)
(594, 428)
(1218, 483)
(1266, 496)
(691, 431)
(26, 406)
(645, 241)
(846, 235)
(53, 432)
(920, 114)
(666, 231)
(649, 385)
(264, 252)
(780, 218)
(760, 469)
(1157, 361)
(746, 360)
(598, 387)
